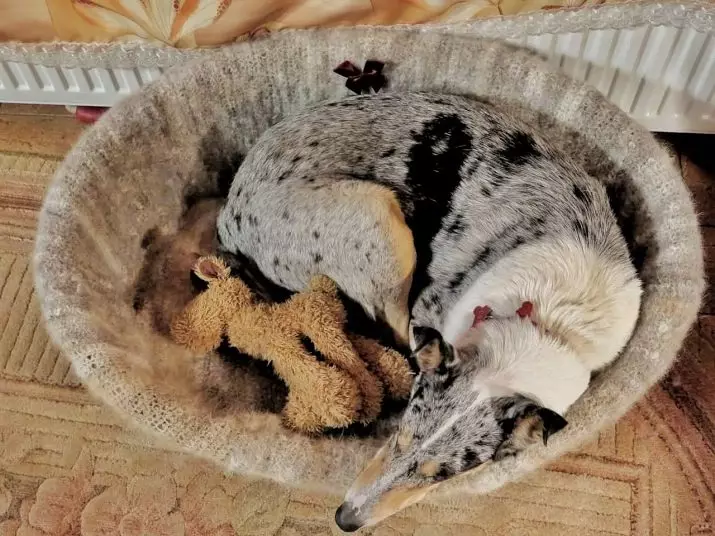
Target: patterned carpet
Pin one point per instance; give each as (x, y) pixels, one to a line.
(68, 466)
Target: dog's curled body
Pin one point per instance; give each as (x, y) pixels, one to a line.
(446, 204)
(314, 194)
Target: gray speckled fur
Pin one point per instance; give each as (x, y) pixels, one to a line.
(472, 182)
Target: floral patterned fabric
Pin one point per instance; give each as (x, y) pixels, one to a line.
(191, 23)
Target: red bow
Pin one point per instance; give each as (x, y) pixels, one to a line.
(361, 81)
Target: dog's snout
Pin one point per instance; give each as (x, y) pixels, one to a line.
(346, 517)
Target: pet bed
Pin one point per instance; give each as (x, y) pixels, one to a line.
(134, 169)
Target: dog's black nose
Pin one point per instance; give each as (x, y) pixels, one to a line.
(347, 519)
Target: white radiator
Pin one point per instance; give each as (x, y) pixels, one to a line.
(664, 77)
(37, 84)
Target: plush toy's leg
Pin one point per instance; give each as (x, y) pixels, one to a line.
(320, 396)
(387, 364)
(199, 327)
(313, 311)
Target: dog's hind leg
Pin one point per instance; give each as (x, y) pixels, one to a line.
(351, 230)
(395, 302)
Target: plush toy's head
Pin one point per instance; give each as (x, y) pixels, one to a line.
(201, 324)
(230, 291)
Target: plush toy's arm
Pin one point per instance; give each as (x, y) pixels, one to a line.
(200, 326)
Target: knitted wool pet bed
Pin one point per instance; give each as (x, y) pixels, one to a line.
(132, 171)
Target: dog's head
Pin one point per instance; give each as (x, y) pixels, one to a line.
(452, 425)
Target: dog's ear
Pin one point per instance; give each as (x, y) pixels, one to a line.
(211, 269)
(431, 351)
(534, 423)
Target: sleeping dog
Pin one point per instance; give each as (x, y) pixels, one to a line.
(497, 256)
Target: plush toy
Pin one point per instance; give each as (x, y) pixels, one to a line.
(334, 379)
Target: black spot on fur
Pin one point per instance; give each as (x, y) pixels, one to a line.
(581, 194)
(367, 256)
(580, 227)
(469, 459)
(317, 258)
(285, 215)
(367, 175)
(296, 159)
(237, 219)
(518, 149)
(433, 301)
(276, 262)
(482, 256)
(388, 153)
(473, 167)
(445, 471)
(357, 245)
(537, 221)
(457, 226)
(438, 101)
(448, 381)
(316, 234)
(283, 176)
(433, 177)
(457, 280)
(252, 220)
(418, 392)
(486, 192)
(412, 469)
(314, 143)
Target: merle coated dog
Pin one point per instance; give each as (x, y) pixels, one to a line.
(442, 214)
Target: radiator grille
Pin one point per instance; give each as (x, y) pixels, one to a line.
(663, 77)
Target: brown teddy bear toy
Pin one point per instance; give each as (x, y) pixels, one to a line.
(344, 384)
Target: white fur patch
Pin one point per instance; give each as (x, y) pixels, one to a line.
(585, 305)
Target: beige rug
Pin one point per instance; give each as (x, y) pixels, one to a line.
(68, 466)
